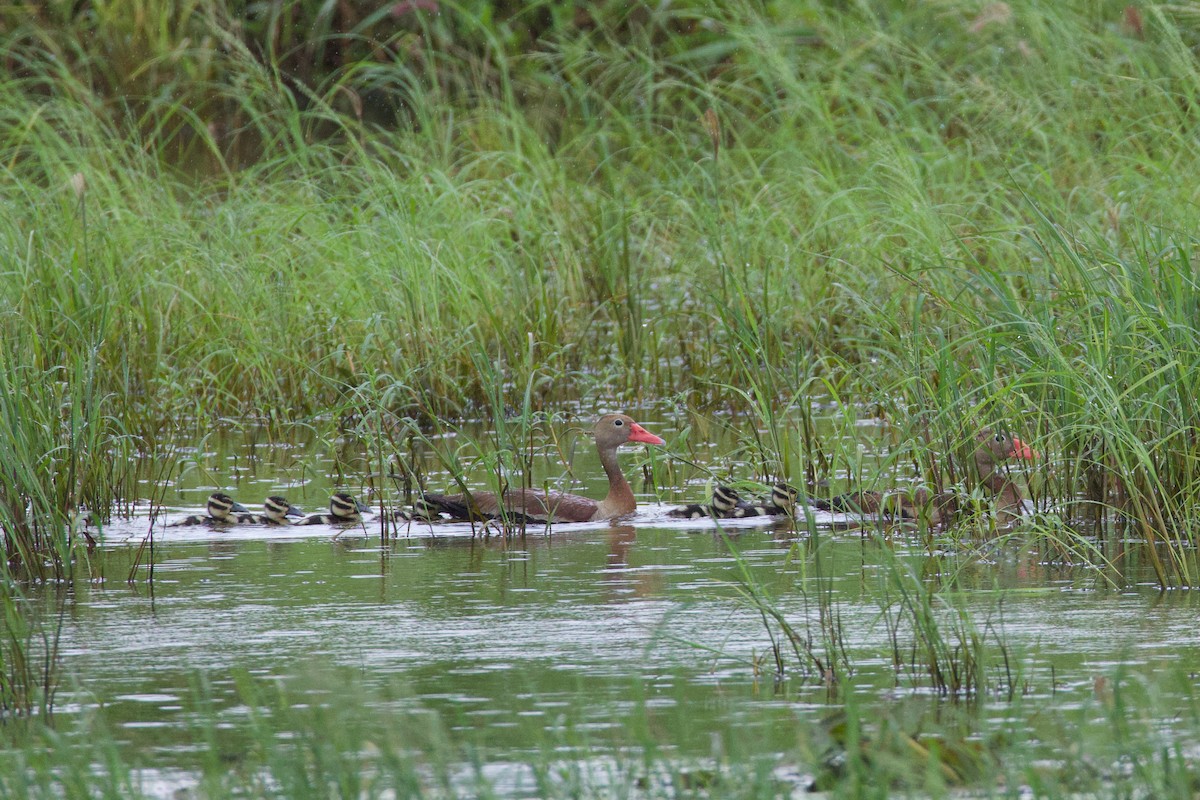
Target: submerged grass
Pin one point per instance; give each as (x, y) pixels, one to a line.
(936, 645)
(326, 731)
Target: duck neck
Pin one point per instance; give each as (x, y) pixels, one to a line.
(619, 500)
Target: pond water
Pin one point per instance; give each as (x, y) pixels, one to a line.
(586, 632)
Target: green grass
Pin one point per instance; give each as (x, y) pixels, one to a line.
(951, 215)
(860, 181)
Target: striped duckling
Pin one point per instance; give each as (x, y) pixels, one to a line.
(344, 509)
(276, 512)
(725, 503)
(781, 502)
(221, 511)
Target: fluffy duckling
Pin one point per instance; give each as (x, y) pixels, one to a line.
(221, 511)
(725, 502)
(780, 503)
(277, 510)
(343, 510)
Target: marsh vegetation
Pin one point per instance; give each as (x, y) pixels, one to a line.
(429, 239)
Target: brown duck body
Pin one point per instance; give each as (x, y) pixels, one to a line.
(992, 449)
(532, 505)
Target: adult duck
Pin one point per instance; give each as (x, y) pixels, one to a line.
(532, 505)
(992, 449)
(344, 509)
(221, 511)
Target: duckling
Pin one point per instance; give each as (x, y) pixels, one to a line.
(894, 505)
(420, 512)
(343, 510)
(277, 509)
(725, 502)
(781, 502)
(407, 515)
(783, 498)
(221, 510)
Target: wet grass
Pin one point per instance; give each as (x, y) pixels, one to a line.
(833, 222)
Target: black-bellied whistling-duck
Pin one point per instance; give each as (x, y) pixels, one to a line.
(343, 510)
(221, 510)
(724, 502)
(992, 448)
(533, 505)
(276, 512)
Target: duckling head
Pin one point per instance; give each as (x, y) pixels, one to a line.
(345, 506)
(278, 509)
(222, 507)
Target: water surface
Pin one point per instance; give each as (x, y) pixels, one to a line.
(572, 637)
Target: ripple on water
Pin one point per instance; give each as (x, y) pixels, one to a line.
(595, 624)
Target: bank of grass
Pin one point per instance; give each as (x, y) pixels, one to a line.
(953, 213)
